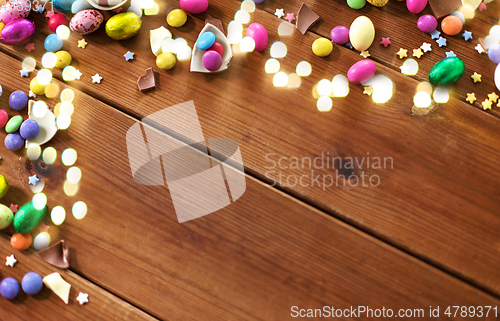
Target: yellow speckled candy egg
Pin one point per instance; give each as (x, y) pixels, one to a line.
(361, 33)
(378, 3)
(4, 186)
(6, 216)
(123, 25)
(177, 18)
(36, 88)
(63, 59)
(322, 47)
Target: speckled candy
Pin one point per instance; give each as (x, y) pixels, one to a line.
(4, 117)
(20, 241)
(18, 32)
(53, 43)
(14, 141)
(258, 33)
(18, 100)
(416, 6)
(123, 25)
(9, 11)
(446, 71)
(4, 186)
(63, 59)
(86, 21)
(13, 124)
(427, 23)
(9, 288)
(212, 60)
(194, 6)
(6, 216)
(356, 4)
(63, 5)
(29, 129)
(57, 20)
(28, 217)
(340, 35)
(32, 283)
(361, 71)
(378, 3)
(205, 40)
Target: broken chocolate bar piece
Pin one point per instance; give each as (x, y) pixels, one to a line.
(215, 22)
(305, 18)
(442, 8)
(147, 81)
(57, 255)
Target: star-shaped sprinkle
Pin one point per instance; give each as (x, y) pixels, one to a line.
(129, 55)
(426, 47)
(13, 208)
(479, 48)
(82, 298)
(96, 79)
(10, 260)
(435, 34)
(77, 74)
(441, 42)
(476, 77)
(118, 10)
(493, 97)
(471, 98)
(82, 44)
(32, 94)
(450, 54)
(50, 14)
(368, 90)
(290, 17)
(467, 35)
(43, 227)
(402, 53)
(486, 104)
(498, 105)
(279, 13)
(30, 47)
(24, 72)
(482, 7)
(385, 41)
(405, 69)
(40, 9)
(365, 54)
(417, 53)
(33, 180)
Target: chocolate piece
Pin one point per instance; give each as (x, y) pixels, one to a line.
(57, 255)
(215, 22)
(305, 18)
(147, 81)
(442, 8)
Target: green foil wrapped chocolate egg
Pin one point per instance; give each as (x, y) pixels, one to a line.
(6, 216)
(123, 25)
(28, 217)
(447, 71)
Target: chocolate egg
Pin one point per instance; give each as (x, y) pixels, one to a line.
(86, 21)
(6, 216)
(258, 33)
(362, 33)
(123, 25)
(446, 71)
(28, 217)
(12, 10)
(17, 32)
(194, 6)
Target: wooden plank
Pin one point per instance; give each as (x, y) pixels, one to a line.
(444, 154)
(253, 260)
(47, 306)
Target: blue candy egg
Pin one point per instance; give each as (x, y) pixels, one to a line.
(32, 283)
(29, 129)
(53, 43)
(9, 288)
(205, 40)
(14, 141)
(63, 5)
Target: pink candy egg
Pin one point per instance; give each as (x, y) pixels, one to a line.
(416, 6)
(194, 6)
(258, 33)
(361, 71)
(86, 21)
(4, 117)
(212, 60)
(17, 32)
(13, 10)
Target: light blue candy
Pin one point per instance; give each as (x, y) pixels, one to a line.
(53, 43)
(63, 5)
(205, 40)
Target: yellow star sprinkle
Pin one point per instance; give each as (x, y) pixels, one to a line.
(471, 98)
(486, 104)
(493, 97)
(476, 77)
(498, 105)
(402, 53)
(368, 90)
(365, 54)
(417, 53)
(82, 44)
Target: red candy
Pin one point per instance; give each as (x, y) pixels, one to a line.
(4, 117)
(57, 20)
(218, 48)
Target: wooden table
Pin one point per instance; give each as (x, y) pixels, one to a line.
(426, 236)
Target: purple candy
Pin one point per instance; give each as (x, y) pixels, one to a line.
(494, 53)
(18, 100)
(9, 288)
(212, 60)
(14, 141)
(427, 23)
(32, 283)
(17, 32)
(29, 129)
(340, 35)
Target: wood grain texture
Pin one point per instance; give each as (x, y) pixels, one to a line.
(47, 306)
(253, 260)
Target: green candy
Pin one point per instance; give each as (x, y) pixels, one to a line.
(6, 216)
(446, 71)
(123, 25)
(13, 124)
(356, 4)
(28, 217)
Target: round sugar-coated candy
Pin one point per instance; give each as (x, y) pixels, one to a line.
(166, 60)
(57, 20)
(37, 88)
(427, 23)
(9, 288)
(451, 25)
(32, 283)
(212, 60)
(217, 47)
(20, 241)
(18, 100)
(53, 43)
(340, 35)
(29, 129)
(4, 117)
(322, 47)
(13, 124)
(494, 53)
(205, 40)
(63, 59)
(14, 141)
(356, 4)
(176, 18)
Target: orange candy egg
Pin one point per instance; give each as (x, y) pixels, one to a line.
(451, 25)
(21, 241)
